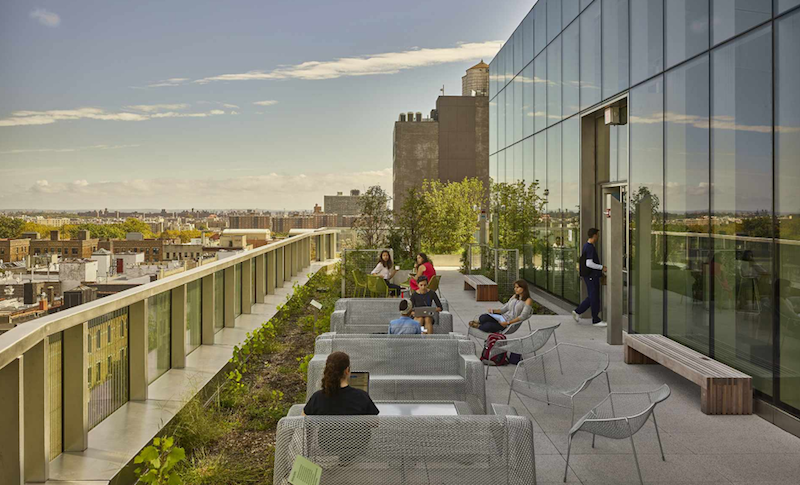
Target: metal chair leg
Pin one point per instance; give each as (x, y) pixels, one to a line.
(635, 456)
(659, 437)
(593, 436)
(487, 371)
(566, 468)
(558, 354)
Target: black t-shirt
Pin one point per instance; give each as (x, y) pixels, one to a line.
(348, 401)
(427, 299)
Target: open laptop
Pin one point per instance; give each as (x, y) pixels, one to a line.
(424, 311)
(360, 380)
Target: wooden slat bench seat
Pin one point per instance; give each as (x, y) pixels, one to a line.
(485, 289)
(723, 389)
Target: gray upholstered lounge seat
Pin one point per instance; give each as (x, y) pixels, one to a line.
(409, 369)
(372, 315)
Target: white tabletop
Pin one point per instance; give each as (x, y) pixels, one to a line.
(416, 409)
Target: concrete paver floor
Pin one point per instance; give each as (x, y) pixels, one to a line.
(698, 448)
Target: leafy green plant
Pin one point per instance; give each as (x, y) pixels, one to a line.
(158, 462)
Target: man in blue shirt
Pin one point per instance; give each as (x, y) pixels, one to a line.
(405, 324)
(591, 270)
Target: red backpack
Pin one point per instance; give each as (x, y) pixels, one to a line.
(499, 359)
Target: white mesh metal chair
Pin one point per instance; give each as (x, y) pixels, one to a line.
(408, 369)
(621, 415)
(557, 375)
(372, 315)
(525, 346)
(409, 450)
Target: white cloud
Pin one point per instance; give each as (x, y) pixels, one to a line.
(228, 105)
(46, 17)
(168, 83)
(386, 63)
(30, 118)
(67, 150)
(150, 108)
(272, 190)
(269, 102)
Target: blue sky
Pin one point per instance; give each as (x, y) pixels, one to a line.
(205, 104)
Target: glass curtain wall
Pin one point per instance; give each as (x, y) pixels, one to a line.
(194, 309)
(55, 381)
(787, 203)
(107, 373)
(219, 300)
(159, 334)
(709, 155)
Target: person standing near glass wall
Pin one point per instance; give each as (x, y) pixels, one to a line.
(591, 271)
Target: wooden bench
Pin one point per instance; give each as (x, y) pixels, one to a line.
(485, 289)
(723, 389)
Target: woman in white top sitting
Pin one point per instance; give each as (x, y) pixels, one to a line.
(518, 308)
(385, 269)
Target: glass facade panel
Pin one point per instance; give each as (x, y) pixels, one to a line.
(493, 125)
(782, 6)
(732, 17)
(553, 19)
(787, 201)
(219, 300)
(686, 29)
(518, 163)
(501, 120)
(55, 382)
(237, 290)
(590, 55)
(539, 234)
(646, 193)
(518, 65)
(527, 101)
(688, 296)
(569, 10)
(509, 59)
(647, 39)
(159, 319)
(493, 79)
(527, 38)
(194, 309)
(741, 204)
(554, 82)
(570, 196)
(540, 92)
(108, 387)
(539, 27)
(570, 69)
(615, 47)
(519, 84)
(555, 233)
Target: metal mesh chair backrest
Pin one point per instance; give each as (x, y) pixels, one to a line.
(357, 278)
(526, 345)
(621, 414)
(434, 283)
(564, 368)
(409, 450)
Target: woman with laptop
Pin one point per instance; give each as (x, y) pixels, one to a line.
(385, 269)
(336, 396)
(423, 267)
(518, 308)
(423, 300)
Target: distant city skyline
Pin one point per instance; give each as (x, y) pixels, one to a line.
(224, 106)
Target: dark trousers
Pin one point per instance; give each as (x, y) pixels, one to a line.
(393, 288)
(489, 324)
(593, 300)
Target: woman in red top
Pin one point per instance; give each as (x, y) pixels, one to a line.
(423, 267)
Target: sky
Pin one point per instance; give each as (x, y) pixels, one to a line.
(222, 105)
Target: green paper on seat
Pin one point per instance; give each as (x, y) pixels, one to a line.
(305, 472)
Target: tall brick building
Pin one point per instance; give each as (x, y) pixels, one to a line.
(250, 221)
(12, 250)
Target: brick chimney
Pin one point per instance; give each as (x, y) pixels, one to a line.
(55, 235)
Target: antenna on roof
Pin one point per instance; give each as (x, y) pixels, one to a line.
(442, 90)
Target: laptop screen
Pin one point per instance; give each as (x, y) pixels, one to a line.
(360, 380)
